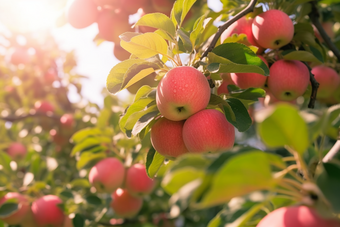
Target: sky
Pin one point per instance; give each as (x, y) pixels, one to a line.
(93, 61)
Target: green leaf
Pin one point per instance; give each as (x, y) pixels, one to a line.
(282, 125)
(8, 209)
(197, 30)
(78, 221)
(137, 77)
(145, 119)
(154, 161)
(249, 94)
(185, 40)
(243, 121)
(180, 10)
(80, 183)
(88, 159)
(159, 21)
(103, 118)
(88, 144)
(87, 132)
(94, 200)
(5, 161)
(300, 56)
(67, 194)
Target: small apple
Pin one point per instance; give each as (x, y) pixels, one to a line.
(120, 53)
(208, 131)
(81, 13)
(67, 121)
(137, 181)
(43, 107)
(107, 175)
(124, 204)
(20, 56)
(132, 6)
(182, 92)
(288, 79)
(166, 138)
(328, 79)
(23, 210)
(226, 80)
(273, 29)
(46, 211)
(163, 6)
(16, 151)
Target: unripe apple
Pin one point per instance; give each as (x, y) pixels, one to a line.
(242, 26)
(328, 79)
(46, 211)
(288, 79)
(226, 80)
(297, 216)
(19, 56)
(248, 80)
(148, 80)
(124, 204)
(182, 92)
(16, 151)
(208, 131)
(137, 181)
(120, 53)
(273, 29)
(81, 13)
(131, 6)
(43, 107)
(107, 175)
(67, 121)
(19, 215)
(166, 138)
(114, 4)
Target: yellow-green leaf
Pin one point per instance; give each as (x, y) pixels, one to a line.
(159, 21)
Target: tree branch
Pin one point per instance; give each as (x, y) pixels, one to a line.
(221, 29)
(315, 86)
(332, 152)
(24, 116)
(314, 17)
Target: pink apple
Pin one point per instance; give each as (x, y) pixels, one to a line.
(43, 107)
(166, 138)
(163, 6)
(288, 79)
(124, 204)
(120, 53)
(107, 175)
(46, 211)
(19, 215)
(242, 26)
(297, 216)
(16, 151)
(182, 92)
(67, 121)
(19, 56)
(137, 181)
(208, 131)
(328, 79)
(131, 6)
(248, 80)
(273, 29)
(81, 13)
(226, 80)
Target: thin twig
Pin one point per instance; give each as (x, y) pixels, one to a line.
(315, 87)
(332, 152)
(221, 29)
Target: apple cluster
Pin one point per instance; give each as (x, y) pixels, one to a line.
(112, 17)
(127, 186)
(186, 125)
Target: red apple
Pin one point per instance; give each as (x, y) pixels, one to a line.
(43, 107)
(223, 88)
(120, 53)
(166, 138)
(67, 121)
(137, 181)
(18, 216)
(328, 27)
(288, 79)
(20, 56)
(81, 13)
(208, 131)
(124, 204)
(107, 175)
(46, 211)
(68, 222)
(273, 29)
(163, 6)
(248, 80)
(131, 6)
(16, 151)
(297, 216)
(114, 4)
(182, 92)
(328, 79)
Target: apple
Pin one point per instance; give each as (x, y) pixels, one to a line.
(288, 79)
(114, 4)
(16, 151)
(46, 211)
(273, 29)
(163, 6)
(67, 121)
(19, 215)
(242, 26)
(248, 80)
(148, 80)
(43, 107)
(166, 138)
(124, 204)
(113, 23)
(137, 181)
(208, 131)
(68, 222)
(81, 13)
(20, 56)
(296, 216)
(328, 79)
(226, 80)
(120, 53)
(182, 92)
(132, 6)
(107, 175)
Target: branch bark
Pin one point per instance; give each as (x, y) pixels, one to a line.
(315, 86)
(222, 28)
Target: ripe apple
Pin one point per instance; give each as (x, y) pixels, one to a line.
(114, 4)
(226, 80)
(297, 216)
(137, 181)
(166, 138)
(148, 80)
(16, 151)
(131, 6)
(328, 79)
(163, 6)
(81, 13)
(67, 121)
(46, 211)
(182, 92)
(43, 107)
(68, 222)
(124, 204)
(208, 131)
(120, 53)
(242, 26)
(107, 175)
(248, 80)
(20, 56)
(288, 79)
(19, 215)
(273, 29)
(113, 23)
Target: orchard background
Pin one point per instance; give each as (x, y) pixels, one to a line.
(214, 114)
